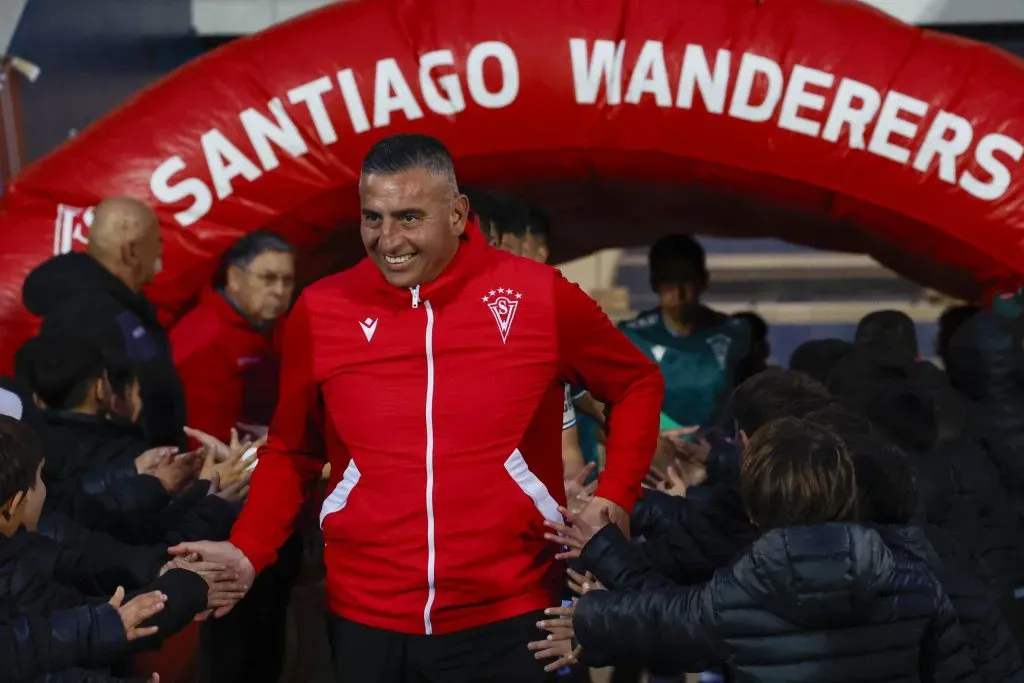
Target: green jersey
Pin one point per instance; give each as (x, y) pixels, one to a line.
(698, 368)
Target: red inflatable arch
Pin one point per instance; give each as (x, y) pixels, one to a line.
(822, 122)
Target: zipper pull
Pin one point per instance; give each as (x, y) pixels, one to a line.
(415, 296)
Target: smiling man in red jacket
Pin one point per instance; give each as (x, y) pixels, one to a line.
(437, 567)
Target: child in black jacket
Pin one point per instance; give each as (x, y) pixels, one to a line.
(40, 577)
(817, 598)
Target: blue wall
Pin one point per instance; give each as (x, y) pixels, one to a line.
(94, 54)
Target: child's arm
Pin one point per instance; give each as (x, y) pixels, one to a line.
(618, 564)
(668, 628)
(97, 563)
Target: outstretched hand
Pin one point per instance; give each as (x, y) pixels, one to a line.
(561, 642)
(137, 610)
(230, 557)
(573, 536)
(581, 584)
(578, 493)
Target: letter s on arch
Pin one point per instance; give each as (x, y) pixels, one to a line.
(166, 193)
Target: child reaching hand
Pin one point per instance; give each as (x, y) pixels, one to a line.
(816, 599)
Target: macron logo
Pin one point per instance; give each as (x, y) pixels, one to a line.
(369, 327)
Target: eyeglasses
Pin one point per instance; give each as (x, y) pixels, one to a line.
(270, 279)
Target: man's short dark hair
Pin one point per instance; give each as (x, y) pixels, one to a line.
(405, 151)
(772, 394)
(121, 377)
(245, 250)
(949, 322)
(481, 202)
(818, 357)
(60, 369)
(677, 260)
(540, 224)
(21, 452)
(795, 472)
(511, 215)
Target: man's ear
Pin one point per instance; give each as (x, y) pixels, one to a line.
(460, 214)
(8, 508)
(233, 278)
(40, 403)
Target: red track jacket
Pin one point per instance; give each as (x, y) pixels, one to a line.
(439, 411)
(227, 367)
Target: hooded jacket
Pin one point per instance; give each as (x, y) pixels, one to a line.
(822, 604)
(438, 410)
(227, 366)
(77, 297)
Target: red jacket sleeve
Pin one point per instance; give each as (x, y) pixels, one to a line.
(293, 458)
(594, 354)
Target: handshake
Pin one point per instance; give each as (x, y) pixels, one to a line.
(225, 584)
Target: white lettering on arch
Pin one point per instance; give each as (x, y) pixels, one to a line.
(798, 98)
(854, 106)
(750, 66)
(478, 56)
(1000, 176)
(226, 162)
(696, 74)
(589, 71)
(650, 76)
(167, 192)
(452, 101)
(312, 95)
(947, 149)
(391, 93)
(282, 132)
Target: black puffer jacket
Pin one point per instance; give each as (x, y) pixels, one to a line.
(75, 296)
(993, 650)
(821, 604)
(986, 363)
(979, 519)
(28, 648)
(686, 539)
(98, 455)
(39, 577)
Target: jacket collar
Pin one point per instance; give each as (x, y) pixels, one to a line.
(107, 427)
(472, 248)
(230, 312)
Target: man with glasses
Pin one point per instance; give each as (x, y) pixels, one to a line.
(226, 356)
(223, 348)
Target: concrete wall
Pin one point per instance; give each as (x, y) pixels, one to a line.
(94, 54)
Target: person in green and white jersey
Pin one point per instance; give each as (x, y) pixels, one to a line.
(697, 348)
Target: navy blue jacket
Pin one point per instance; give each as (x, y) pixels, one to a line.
(817, 604)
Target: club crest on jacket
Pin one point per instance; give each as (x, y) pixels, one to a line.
(503, 303)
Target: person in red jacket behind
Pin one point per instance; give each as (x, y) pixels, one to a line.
(223, 347)
(437, 567)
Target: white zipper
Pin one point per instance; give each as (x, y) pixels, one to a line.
(429, 415)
